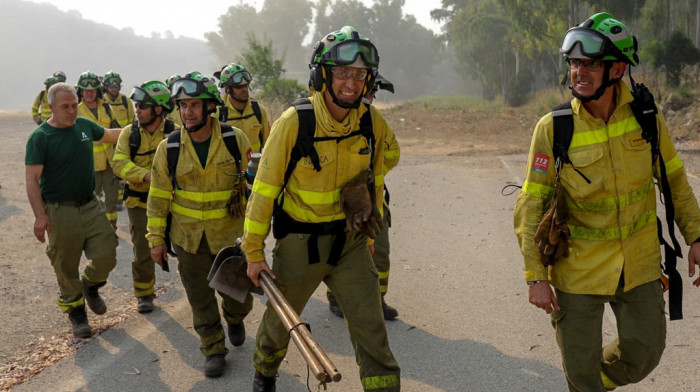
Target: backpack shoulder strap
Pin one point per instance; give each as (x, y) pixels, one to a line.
(173, 155)
(367, 131)
(256, 109)
(134, 139)
(563, 119)
(229, 136)
(168, 128)
(124, 102)
(41, 95)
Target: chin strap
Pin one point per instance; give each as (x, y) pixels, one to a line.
(336, 101)
(153, 118)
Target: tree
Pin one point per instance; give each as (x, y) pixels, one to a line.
(673, 55)
(267, 71)
(233, 27)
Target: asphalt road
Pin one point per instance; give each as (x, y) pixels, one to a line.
(456, 279)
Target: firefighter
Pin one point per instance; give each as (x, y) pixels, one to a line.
(122, 107)
(173, 116)
(205, 192)
(610, 231)
(92, 106)
(381, 243)
(310, 224)
(61, 191)
(133, 164)
(239, 109)
(40, 109)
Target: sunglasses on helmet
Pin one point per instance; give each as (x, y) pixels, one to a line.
(592, 43)
(346, 52)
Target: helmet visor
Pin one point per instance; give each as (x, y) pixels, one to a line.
(140, 95)
(89, 82)
(591, 43)
(189, 87)
(346, 52)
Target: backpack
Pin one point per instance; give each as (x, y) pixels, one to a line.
(282, 223)
(173, 150)
(645, 111)
(135, 138)
(223, 116)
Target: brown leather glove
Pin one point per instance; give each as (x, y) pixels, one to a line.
(552, 235)
(360, 207)
(237, 202)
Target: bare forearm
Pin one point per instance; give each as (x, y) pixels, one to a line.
(34, 196)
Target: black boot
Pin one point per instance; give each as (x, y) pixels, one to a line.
(145, 304)
(333, 305)
(263, 383)
(79, 322)
(92, 297)
(390, 313)
(236, 334)
(214, 365)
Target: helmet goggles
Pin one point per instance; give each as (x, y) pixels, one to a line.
(89, 82)
(591, 43)
(189, 87)
(140, 95)
(238, 78)
(112, 82)
(346, 52)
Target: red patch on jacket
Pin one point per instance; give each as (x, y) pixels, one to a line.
(540, 163)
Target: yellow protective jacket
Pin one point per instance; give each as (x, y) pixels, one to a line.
(312, 196)
(200, 207)
(122, 109)
(247, 122)
(134, 170)
(612, 219)
(41, 106)
(101, 151)
(174, 116)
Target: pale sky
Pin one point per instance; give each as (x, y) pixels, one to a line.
(187, 18)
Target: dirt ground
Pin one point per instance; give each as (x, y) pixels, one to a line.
(34, 332)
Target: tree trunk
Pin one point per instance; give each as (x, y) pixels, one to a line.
(697, 23)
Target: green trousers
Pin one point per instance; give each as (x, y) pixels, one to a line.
(142, 265)
(381, 254)
(641, 330)
(194, 269)
(354, 282)
(75, 230)
(106, 182)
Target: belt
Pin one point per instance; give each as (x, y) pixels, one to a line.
(74, 203)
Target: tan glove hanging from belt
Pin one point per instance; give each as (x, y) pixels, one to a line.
(552, 236)
(358, 201)
(236, 204)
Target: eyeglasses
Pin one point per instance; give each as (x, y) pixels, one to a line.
(346, 52)
(591, 65)
(345, 73)
(142, 105)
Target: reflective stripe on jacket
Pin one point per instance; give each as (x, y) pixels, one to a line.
(613, 219)
(101, 151)
(312, 196)
(134, 170)
(200, 207)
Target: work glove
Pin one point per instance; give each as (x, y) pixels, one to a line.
(236, 204)
(552, 235)
(361, 212)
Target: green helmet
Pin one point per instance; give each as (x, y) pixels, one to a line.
(195, 85)
(234, 75)
(112, 78)
(60, 76)
(345, 47)
(601, 37)
(169, 81)
(155, 93)
(88, 81)
(50, 81)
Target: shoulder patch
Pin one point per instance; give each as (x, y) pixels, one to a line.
(541, 163)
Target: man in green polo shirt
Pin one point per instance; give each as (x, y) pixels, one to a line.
(60, 179)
